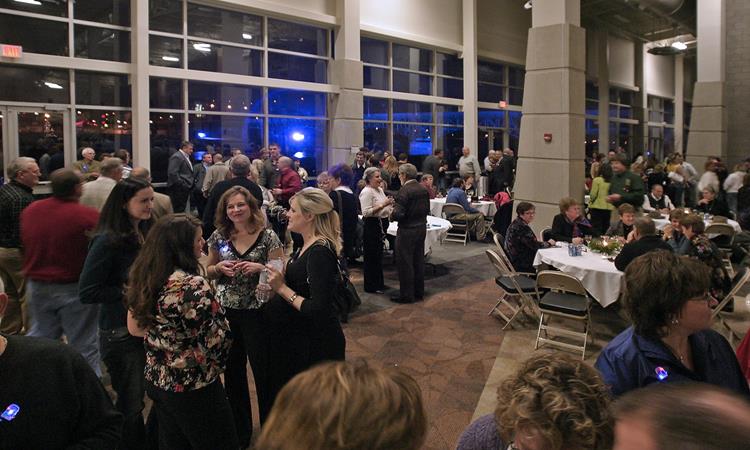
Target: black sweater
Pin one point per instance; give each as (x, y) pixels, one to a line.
(637, 248)
(103, 279)
(62, 404)
(562, 230)
(348, 218)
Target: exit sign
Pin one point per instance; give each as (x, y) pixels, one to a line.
(11, 51)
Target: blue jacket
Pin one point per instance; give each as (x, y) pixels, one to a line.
(631, 361)
(457, 195)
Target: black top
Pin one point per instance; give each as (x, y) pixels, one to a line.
(637, 248)
(62, 404)
(103, 278)
(412, 205)
(717, 207)
(562, 229)
(743, 198)
(358, 172)
(619, 229)
(219, 190)
(348, 218)
(431, 165)
(521, 245)
(14, 198)
(501, 177)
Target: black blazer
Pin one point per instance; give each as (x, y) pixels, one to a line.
(637, 248)
(348, 215)
(562, 230)
(718, 207)
(180, 172)
(412, 205)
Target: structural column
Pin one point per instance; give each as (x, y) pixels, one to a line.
(602, 70)
(640, 101)
(551, 155)
(679, 102)
(471, 138)
(708, 120)
(346, 107)
(140, 86)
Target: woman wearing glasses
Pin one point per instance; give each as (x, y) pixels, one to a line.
(521, 243)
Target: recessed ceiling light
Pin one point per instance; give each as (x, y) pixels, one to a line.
(247, 36)
(679, 45)
(29, 2)
(202, 47)
(170, 58)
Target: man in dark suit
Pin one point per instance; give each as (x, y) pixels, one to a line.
(643, 239)
(239, 168)
(199, 172)
(358, 169)
(433, 165)
(412, 205)
(180, 180)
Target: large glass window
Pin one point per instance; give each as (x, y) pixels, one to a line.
(304, 139)
(417, 112)
(414, 140)
(223, 25)
(376, 78)
(376, 136)
(224, 58)
(374, 51)
(375, 108)
(34, 35)
(102, 43)
(660, 126)
(226, 132)
(113, 12)
(54, 8)
(295, 37)
(165, 51)
(166, 137)
(203, 96)
(165, 15)
(299, 68)
(499, 82)
(412, 82)
(104, 130)
(26, 84)
(103, 89)
(165, 93)
(288, 102)
(412, 58)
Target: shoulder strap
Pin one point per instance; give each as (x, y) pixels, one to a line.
(341, 208)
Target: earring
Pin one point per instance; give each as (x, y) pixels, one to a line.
(675, 321)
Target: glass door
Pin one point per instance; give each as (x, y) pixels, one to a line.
(39, 133)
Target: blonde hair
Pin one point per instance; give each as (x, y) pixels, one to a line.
(566, 203)
(316, 202)
(340, 405)
(391, 165)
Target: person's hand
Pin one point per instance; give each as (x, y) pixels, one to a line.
(577, 241)
(247, 267)
(552, 242)
(664, 211)
(276, 191)
(668, 232)
(612, 198)
(702, 201)
(225, 268)
(631, 236)
(622, 240)
(275, 278)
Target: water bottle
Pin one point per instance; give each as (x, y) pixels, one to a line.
(263, 291)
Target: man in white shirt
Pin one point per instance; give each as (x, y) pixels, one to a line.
(95, 193)
(656, 200)
(468, 164)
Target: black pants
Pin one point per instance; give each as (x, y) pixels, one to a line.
(248, 344)
(198, 419)
(600, 220)
(410, 262)
(179, 199)
(125, 359)
(372, 243)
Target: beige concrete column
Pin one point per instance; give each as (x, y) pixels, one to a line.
(640, 101)
(602, 59)
(553, 104)
(708, 120)
(471, 138)
(140, 85)
(346, 72)
(679, 102)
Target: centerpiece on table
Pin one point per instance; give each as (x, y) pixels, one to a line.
(605, 246)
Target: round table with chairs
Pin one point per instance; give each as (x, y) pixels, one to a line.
(486, 207)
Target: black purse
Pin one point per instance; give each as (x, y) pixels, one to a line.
(345, 297)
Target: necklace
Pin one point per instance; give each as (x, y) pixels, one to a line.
(676, 353)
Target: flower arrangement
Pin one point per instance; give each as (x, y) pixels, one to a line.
(605, 246)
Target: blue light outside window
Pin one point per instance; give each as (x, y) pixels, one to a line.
(289, 102)
(376, 136)
(375, 108)
(415, 140)
(449, 115)
(491, 118)
(223, 133)
(406, 111)
(205, 96)
(305, 136)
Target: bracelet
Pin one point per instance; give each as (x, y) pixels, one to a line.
(293, 298)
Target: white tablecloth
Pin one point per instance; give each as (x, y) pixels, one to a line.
(661, 223)
(598, 275)
(438, 229)
(487, 208)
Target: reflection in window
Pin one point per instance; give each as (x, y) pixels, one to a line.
(490, 72)
(204, 96)
(34, 35)
(448, 64)
(301, 138)
(406, 111)
(40, 136)
(298, 68)
(114, 12)
(376, 78)
(103, 89)
(450, 87)
(224, 58)
(374, 51)
(491, 118)
(104, 131)
(224, 25)
(165, 93)
(57, 8)
(375, 108)
(515, 96)
(514, 128)
(450, 139)
(376, 136)
(296, 37)
(516, 76)
(415, 140)
(449, 114)
(490, 93)
(412, 82)
(102, 43)
(165, 51)
(25, 84)
(412, 58)
(288, 102)
(165, 15)
(223, 133)
(166, 137)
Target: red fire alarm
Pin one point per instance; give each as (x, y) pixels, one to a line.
(502, 104)
(547, 137)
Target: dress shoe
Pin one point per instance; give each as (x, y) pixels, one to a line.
(398, 299)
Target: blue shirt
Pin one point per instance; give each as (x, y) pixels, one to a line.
(457, 195)
(631, 361)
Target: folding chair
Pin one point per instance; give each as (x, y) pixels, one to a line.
(724, 235)
(567, 299)
(543, 232)
(459, 231)
(512, 283)
(739, 280)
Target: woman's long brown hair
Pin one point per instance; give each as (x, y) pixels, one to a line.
(168, 246)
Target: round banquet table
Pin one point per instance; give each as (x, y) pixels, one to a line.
(437, 229)
(664, 221)
(598, 275)
(487, 208)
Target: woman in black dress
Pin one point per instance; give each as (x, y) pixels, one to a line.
(347, 207)
(303, 325)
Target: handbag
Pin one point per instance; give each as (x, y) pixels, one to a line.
(345, 297)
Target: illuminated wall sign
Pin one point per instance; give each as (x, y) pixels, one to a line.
(11, 51)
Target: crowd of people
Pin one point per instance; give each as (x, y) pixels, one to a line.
(175, 294)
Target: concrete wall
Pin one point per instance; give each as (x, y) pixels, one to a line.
(659, 75)
(738, 79)
(502, 30)
(621, 60)
(690, 73)
(433, 22)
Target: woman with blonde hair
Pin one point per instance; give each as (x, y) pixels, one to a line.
(390, 173)
(238, 251)
(303, 324)
(352, 406)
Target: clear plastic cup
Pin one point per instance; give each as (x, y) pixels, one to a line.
(263, 291)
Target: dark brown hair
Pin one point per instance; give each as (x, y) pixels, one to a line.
(224, 224)
(694, 222)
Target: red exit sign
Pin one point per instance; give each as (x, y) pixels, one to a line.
(11, 51)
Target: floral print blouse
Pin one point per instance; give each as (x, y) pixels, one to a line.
(238, 292)
(187, 347)
(709, 254)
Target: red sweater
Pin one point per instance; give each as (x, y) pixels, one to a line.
(55, 236)
(289, 183)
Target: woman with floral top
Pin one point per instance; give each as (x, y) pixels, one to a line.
(520, 242)
(238, 251)
(185, 335)
(706, 252)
